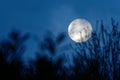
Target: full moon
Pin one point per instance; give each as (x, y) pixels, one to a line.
(79, 30)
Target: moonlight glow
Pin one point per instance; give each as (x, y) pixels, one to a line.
(80, 30)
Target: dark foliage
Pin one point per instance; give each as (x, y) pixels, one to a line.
(11, 51)
(96, 59)
(45, 67)
(99, 57)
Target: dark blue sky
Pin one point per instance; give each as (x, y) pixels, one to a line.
(37, 16)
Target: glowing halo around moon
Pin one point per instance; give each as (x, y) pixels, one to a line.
(80, 30)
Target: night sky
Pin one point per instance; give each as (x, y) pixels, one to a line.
(38, 16)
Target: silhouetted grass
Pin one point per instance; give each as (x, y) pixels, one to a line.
(96, 59)
(11, 51)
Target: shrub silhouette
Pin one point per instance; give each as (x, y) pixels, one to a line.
(50, 43)
(96, 59)
(45, 67)
(11, 51)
